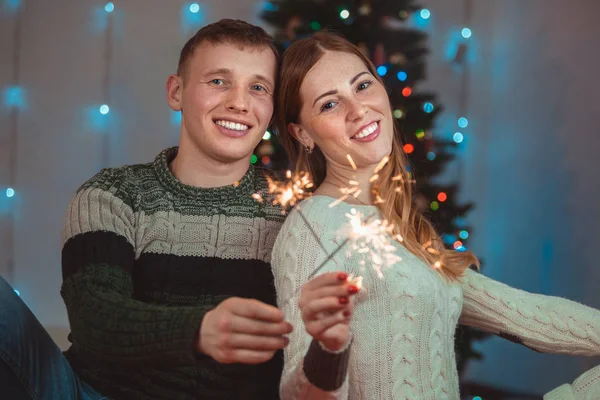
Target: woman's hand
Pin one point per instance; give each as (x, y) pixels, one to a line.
(326, 306)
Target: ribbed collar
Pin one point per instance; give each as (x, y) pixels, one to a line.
(246, 186)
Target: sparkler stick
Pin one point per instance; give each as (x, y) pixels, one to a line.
(324, 262)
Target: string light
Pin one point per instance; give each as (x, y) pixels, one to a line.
(466, 33)
(266, 160)
(449, 238)
(315, 26)
(398, 114)
(442, 196)
(425, 13)
(428, 107)
(17, 292)
(194, 8)
(382, 70)
(434, 205)
(464, 235)
(407, 91)
(430, 155)
(109, 7)
(104, 109)
(14, 97)
(409, 148)
(402, 76)
(420, 133)
(267, 135)
(344, 14)
(463, 122)
(270, 6)
(458, 137)
(253, 159)
(10, 192)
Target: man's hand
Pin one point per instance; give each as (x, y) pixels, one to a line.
(243, 331)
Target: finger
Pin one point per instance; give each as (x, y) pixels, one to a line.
(327, 305)
(258, 327)
(252, 342)
(254, 309)
(246, 356)
(326, 279)
(317, 327)
(334, 291)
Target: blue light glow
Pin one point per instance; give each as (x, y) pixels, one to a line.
(270, 6)
(12, 5)
(428, 107)
(458, 137)
(176, 118)
(449, 238)
(104, 109)
(425, 14)
(14, 97)
(17, 292)
(402, 76)
(463, 122)
(109, 7)
(192, 17)
(382, 70)
(10, 192)
(431, 156)
(464, 234)
(466, 33)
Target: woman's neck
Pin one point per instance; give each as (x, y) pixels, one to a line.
(338, 180)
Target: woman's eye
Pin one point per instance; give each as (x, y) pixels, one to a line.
(364, 85)
(327, 106)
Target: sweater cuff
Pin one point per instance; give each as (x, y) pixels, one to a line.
(326, 370)
(563, 392)
(184, 334)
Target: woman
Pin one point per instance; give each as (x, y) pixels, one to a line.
(395, 338)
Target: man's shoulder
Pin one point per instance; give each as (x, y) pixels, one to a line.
(126, 179)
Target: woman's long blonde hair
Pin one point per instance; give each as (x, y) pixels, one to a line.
(419, 236)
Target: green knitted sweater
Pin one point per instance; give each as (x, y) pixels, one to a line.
(144, 258)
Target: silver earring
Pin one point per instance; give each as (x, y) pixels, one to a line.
(308, 149)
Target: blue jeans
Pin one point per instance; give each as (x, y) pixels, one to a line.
(31, 364)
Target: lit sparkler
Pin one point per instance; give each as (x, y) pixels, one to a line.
(289, 192)
(375, 238)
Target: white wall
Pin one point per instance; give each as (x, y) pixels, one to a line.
(529, 164)
(531, 159)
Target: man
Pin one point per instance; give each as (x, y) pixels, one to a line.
(166, 273)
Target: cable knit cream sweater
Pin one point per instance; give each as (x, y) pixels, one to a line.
(403, 325)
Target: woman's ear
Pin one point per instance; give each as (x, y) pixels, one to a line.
(300, 135)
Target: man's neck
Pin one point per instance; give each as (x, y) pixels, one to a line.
(194, 169)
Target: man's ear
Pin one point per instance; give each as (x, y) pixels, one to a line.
(300, 135)
(174, 92)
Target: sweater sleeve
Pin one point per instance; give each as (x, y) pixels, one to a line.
(586, 387)
(106, 322)
(309, 371)
(543, 323)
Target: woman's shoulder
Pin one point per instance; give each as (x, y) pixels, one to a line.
(323, 211)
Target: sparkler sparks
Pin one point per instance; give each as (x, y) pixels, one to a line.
(289, 192)
(375, 238)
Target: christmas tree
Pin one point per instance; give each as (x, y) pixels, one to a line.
(381, 30)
